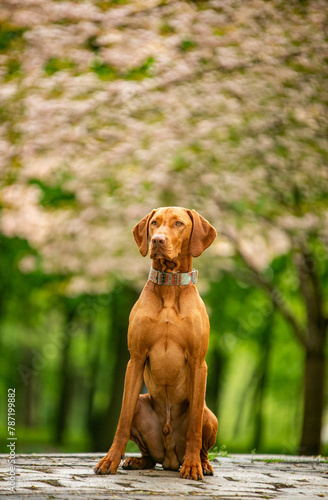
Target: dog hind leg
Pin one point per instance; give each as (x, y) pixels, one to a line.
(210, 428)
(146, 433)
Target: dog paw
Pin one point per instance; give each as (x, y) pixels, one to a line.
(191, 470)
(207, 468)
(133, 463)
(108, 464)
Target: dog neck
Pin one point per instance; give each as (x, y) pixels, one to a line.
(183, 264)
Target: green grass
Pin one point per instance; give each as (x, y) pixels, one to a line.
(218, 452)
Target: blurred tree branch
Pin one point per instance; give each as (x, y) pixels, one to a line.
(274, 293)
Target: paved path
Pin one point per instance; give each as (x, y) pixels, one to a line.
(66, 476)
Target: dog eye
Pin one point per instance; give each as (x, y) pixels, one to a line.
(178, 223)
(153, 223)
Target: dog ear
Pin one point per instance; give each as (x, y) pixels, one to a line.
(140, 233)
(203, 234)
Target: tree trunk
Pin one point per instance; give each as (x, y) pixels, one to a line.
(313, 403)
(263, 369)
(29, 390)
(214, 380)
(93, 364)
(65, 385)
(314, 372)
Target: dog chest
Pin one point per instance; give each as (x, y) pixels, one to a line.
(167, 363)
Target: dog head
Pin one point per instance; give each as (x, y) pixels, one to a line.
(172, 231)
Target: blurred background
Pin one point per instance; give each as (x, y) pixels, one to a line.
(111, 108)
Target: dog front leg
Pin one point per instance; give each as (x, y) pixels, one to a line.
(192, 466)
(132, 388)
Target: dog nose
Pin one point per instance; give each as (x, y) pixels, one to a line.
(158, 240)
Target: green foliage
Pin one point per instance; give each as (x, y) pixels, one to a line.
(142, 71)
(10, 36)
(167, 29)
(107, 72)
(55, 64)
(232, 123)
(241, 320)
(108, 4)
(36, 341)
(53, 196)
(13, 69)
(180, 164)
(92, 44)
(187, 45)
(104, 70)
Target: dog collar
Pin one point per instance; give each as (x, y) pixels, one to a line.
(161, 278)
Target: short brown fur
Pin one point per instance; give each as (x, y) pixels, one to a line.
(168, 339)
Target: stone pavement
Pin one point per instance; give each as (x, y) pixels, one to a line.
(70, 476)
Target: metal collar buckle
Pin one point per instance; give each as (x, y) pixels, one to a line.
(193, 276)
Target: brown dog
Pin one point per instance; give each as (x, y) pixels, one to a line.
(168, 340)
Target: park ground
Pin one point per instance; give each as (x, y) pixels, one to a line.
(70, 476)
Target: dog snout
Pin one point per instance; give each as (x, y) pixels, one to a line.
(158, 240)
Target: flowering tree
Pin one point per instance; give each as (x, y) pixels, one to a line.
(113, 109)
